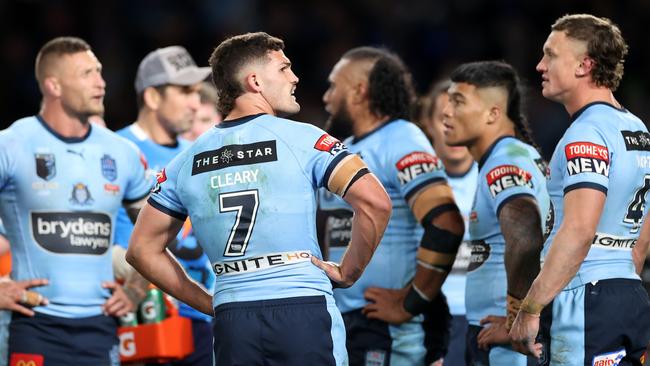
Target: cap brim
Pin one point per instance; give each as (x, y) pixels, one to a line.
(191, 76)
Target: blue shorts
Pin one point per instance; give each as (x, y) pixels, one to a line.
(53, 341)
(495, 356)
(296, 331)
(597, 324)
(377, 343)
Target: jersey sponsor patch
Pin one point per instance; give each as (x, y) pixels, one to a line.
(507, 176)
(45, 165)
(329, 144)
(609, 359)
(72, 232)
(415, 164)
(234, 155)
(587, 157)
(25, 359)
(607, 241)
(480, 254)
(259, 263)
(636, 140)
(161, 177)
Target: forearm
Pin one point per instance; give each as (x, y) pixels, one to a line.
(640, 250)
(165, 272)
(568, 251)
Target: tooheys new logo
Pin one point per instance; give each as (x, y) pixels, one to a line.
(416, 163)
(72, 232)
(586, 157)
(507, 176)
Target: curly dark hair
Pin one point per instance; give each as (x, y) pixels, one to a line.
(605, 45)
(484, 74)
(390, 85)
(231, 56)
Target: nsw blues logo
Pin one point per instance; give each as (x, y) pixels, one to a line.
(109, 168)
(45, 166)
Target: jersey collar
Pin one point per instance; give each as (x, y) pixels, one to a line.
(357, 139)
(68, 140)
(487, 153)
(579, 111)
(238, 121)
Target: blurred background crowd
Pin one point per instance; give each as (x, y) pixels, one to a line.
(432, 36)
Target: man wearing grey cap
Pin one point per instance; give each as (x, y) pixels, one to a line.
(167, 86)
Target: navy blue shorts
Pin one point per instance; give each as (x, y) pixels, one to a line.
(296, 331)
(597, 324)
(55, 341)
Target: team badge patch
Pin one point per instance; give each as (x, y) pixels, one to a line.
(507, 176)
(26, 359)
(329, 144)
(609, 359)
(586, 157)
(109, 168)
(45, 166)
(161, 177)
(415, 164)
(81, 195)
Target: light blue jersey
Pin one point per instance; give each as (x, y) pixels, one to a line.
(464, 188)
(607, 149)
(58, 200)
(186, 249)
(509, 169)
(249, 188)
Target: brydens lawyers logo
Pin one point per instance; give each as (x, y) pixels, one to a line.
(587, 157)
(25, 359)
(161, 177)
(329, 144)
(416, 163)
(507, 176)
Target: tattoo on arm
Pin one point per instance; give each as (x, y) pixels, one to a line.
(521, 227)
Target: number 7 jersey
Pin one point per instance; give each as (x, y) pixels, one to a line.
(249, 187)
(606, 149)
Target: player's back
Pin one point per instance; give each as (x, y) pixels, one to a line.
(607, 149)
(249, 189)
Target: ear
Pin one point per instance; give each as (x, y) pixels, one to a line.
(585, 67)
(152, 98)
(359, 92)
(494, 113)
(253, 82)
(52, 86)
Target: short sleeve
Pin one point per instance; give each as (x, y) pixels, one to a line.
(320, 154)
(137, 185)
(164, 195)
(585, 155)
(506, 179)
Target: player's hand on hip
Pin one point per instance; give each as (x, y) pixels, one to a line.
(493, 332)
(119, 303)
(386, 305)
(523, 333)
(15, 296)
(333, 272)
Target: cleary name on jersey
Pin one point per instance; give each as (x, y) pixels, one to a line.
(604, 147)
(249, 188)
(509, 169)
(58, 199)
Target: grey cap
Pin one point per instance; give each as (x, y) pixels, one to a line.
(169, 65)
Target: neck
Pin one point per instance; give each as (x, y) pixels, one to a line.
(61, 121)
(589, 95)
(249, 104)
(366, 122)
(154, 129)
(483, 143)
(458, 167)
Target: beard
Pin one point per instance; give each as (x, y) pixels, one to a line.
(339, 125)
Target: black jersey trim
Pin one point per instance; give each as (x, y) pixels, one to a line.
(510, 198)
(165, 210)
(238, 121)
(590, 185)
(417, 188)
(357, 139)
(133, 200)
(68, 140)
(333, 164)
(579, 111)
(487, 153)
